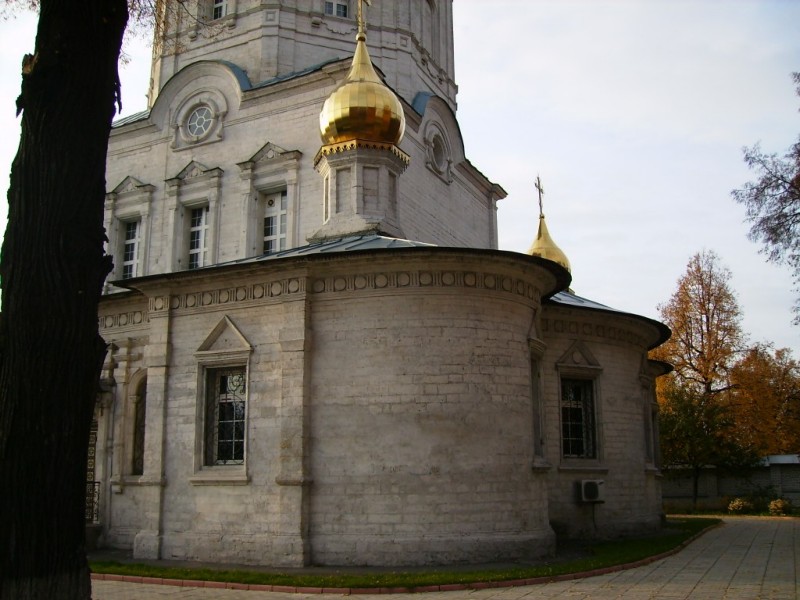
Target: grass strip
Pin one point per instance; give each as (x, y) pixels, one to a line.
(602, 555)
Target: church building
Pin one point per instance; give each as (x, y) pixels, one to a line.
(317, 352)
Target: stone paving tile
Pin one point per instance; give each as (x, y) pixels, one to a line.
(746, 559)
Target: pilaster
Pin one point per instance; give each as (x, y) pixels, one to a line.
(147, 543)
(291, 541)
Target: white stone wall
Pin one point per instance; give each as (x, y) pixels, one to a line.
(124, 498)
(458, 212)
(272, 40)
(389, 417)
(390, 413)
(422, 427)
(632, 487)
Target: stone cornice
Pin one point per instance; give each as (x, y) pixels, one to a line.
(622, 331)
(350, 145)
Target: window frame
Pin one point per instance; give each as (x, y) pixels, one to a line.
(213, 401)
(222, 5)
(278, 214)
(200, 122)
(201, 249)
(579, 364)
(130, 266)
(129, 201)
(587, 421)
(335, 8)
(209, 359)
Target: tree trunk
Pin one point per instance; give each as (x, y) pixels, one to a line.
(52, 271)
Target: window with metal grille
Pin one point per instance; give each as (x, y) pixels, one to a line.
(275, 222)
(198, 230)
(225, 416)
(130, 250)
(577, 419)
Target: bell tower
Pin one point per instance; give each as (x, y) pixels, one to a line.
(412, 40)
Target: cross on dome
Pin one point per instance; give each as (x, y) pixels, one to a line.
(538, 185)
(362, 23)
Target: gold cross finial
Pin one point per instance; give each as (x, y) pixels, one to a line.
(362, 23)
(540, 188)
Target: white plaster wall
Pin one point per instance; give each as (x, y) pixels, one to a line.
(421, 426)
(269, 40)
(287, 115)
(404, 436)
(632, 487)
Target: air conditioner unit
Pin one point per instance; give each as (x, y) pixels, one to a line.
(592, 490)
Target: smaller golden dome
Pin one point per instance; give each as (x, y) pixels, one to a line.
(362, 108)
(545, 247)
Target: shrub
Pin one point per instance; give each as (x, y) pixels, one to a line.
(779, 507)
(740, 506)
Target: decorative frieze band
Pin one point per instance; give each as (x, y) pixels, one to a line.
(274, 291)
(585, 329)
(251, 293)
(410, 279)
(127, 319)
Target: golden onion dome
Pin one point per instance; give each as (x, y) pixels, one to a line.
(545, 247)
(362, 108)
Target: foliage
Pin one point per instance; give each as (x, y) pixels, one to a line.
(704, 317)
(772, 203)
(604, 554)
(698, 430)
(780, 507)
(740, 506)
(766, 399)
(698, 423)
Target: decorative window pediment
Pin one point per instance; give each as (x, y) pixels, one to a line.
(579, 360)
(127, 224)
(225, 339)
(127, 185)
(271, 175)
(223, 367)
(269, 158)
(195, 171)
(193, 200)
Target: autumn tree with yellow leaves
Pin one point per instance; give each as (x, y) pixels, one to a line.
(698, 422)
(766, 399)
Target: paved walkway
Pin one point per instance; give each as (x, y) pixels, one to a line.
(745, 559)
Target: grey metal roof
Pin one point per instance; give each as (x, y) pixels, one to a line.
(294, 74)
(241, 79)
(369, 241)
(567, 298)
(376, 241)
(570, 299)
(131, 118)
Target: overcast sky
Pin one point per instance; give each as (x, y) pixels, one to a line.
(634, 113)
